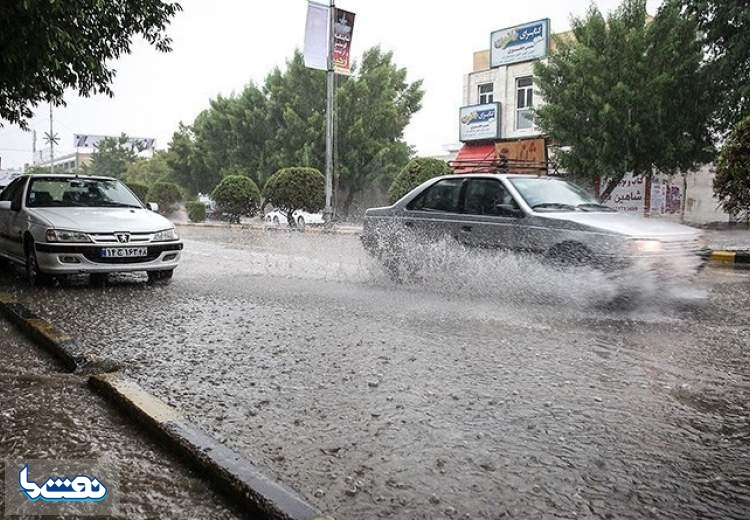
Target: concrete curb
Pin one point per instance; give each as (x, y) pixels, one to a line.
(257, 227)
(735, 257)
(238, 477)
(44, 334)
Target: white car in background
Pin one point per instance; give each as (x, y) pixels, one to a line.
(278, 218)
(55, 225)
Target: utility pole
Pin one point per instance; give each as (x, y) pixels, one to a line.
(52, 139)
(330, 77)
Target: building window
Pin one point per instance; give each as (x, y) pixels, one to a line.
(524, 103)
(486, 94)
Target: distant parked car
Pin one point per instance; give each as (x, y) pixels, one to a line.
(541, 215)
(276, 217)
(207, 201)
(55, 225)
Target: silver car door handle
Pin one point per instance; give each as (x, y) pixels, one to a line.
(409, 224)
(466, 229)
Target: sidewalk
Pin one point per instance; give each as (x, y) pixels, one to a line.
(48, 414)
(733, 239)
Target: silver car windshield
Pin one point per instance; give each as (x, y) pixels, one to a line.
(546, 194)
(50, 192)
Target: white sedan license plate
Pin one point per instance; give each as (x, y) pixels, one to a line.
(124, 252)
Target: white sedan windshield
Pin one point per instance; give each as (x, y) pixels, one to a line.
(51, 192)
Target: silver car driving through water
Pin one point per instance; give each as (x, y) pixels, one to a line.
(542, 215)
(55, 225)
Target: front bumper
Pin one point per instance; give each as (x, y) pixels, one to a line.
(86, 258)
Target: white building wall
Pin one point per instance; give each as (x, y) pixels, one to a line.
(504, 81)
(701, 207)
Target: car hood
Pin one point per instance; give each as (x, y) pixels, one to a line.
(629, 225)
(102, 220)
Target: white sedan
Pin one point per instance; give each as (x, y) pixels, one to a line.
(276, 217)
(55, 225)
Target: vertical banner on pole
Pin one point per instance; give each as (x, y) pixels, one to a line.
(316, 36)
(343, 28)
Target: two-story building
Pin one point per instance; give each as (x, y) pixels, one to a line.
(496, 119)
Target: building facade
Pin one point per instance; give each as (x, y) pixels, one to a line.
(499, 96)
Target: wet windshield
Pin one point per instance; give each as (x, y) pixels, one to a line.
(50, 192)
(546, 194)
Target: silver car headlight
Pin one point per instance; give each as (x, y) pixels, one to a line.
(166, 235)
(642, 246)
(64, 235)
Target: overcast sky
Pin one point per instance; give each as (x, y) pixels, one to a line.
(221, 45)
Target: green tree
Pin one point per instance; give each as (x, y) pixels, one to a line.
(295, 188)
(732, 181)
(372, 111)
(111, 158)
(180, 157)
(231, 133)
(236, 196)
(724, 26)
(148, 171)
(627, 95)
(166, 195)
(416, 172)
(140, 190)
(263, 130)
(48, 47)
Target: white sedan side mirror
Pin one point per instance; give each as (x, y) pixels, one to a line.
(153, 206)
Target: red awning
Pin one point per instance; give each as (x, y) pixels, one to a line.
(471, 156)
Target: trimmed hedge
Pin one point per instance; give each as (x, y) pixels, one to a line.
(295, 188)
(196, 211)
(416, 172)
(236, 196)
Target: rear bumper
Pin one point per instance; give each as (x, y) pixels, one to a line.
(85, 258)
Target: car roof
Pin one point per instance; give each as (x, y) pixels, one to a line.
(69, 176)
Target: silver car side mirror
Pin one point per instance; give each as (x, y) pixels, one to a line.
(153, 206)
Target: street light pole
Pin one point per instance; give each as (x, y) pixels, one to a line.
(330, 76)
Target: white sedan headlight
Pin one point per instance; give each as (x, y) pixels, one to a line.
(64, 235)
(646, 246)
(166, 235)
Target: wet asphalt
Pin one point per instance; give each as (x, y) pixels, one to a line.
(48, 414)
(489, 387)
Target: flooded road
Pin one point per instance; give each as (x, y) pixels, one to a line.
(490, 387)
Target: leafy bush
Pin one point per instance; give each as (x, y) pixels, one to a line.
(140, 190)
(196, 211)
(732, 181)
(236, 196)
(415, 173)
(296, 188)
(166, 195)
